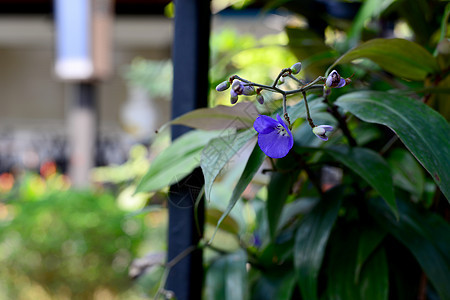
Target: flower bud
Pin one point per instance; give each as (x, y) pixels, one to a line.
(236, 84)
(295, 69)
(318, 130)
(223, 86)
(248, 90)
(233, 99)
(260, 98)
(335, 80)
(281, 80)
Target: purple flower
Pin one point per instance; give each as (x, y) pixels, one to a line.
(320, 131)
(275, 139)
(334, 80)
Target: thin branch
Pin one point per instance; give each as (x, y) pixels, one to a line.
(170, 264)
(197, 202)
(308, 116)
(285, 70)
(296, 79)
(285, 114)
(333, 110)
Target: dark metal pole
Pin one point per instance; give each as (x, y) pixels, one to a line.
(190, 91)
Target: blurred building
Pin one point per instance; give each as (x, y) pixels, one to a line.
(34, 103)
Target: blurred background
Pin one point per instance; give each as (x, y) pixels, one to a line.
(57, 242)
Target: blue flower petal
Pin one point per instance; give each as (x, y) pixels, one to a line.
(265, 124)
(271, 140)
(341, 83)
(275, 145)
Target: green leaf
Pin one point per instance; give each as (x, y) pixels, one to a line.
(226, 278)
(293, 209)
(423, 131)
(368, 242)
(215, 216)
(254, 162)
(444, 25)
(375, 277)
(219, 151)
(397, 56)
(425, 235)
(368, 9)
(274, 285)
(241, 115)
(278, 191)
(371, 167)
(407, 173)
(175, 162)
(311, 240)
(373, 281)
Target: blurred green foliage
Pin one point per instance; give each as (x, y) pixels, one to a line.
(153, 76)
(61, 243)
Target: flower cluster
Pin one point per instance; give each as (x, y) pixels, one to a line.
(274, 135)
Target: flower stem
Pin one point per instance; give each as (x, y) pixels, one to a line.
(320, 78)
(296, 79)
(308, 116)
(285, 70)
(304, 89)
(285, 114)
(333, 110)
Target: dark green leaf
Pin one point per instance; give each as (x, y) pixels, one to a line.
(219, 151)
(397, 56)
(275, 285)
(425, 235)
(254, 162)
(241, 115)
(373, 281)
(370, 239)
(175, 162)
(293, 209)
(371, 167)
(278, 190)
(368, 9)
(375, 278)
(311, 240)
(406, 172)
(423, 131)
(226, 278)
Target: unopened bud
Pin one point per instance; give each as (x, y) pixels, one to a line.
(260, 98)
(233, 99)
(236, 84)
(248, 90)
(334, 80)
(223, 86)
(295, 69)
(318, 130)
(281, 80)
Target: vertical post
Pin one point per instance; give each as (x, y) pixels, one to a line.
(82, 131)
(190, 91)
